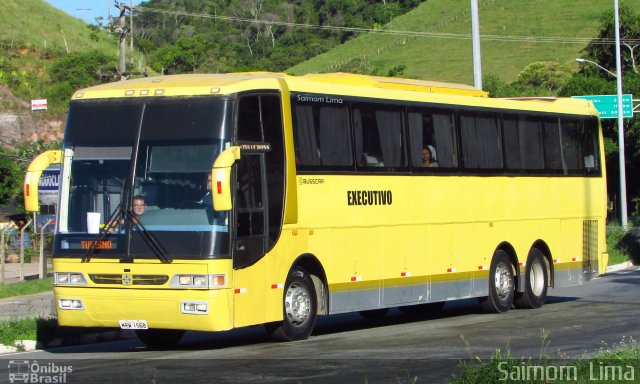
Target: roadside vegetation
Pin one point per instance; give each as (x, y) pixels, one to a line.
(10, 331)
(28, 287)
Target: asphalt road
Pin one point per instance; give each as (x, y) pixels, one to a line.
(401, 348)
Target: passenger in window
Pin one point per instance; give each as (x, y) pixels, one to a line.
(429, 157)
(138, 208)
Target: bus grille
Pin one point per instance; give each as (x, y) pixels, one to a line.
(136, 279)
(590, 242)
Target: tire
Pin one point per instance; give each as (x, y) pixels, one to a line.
(501, 284)
(300, 308)
(159, 338)
(536, 281)
(375, 314)
(422, 308)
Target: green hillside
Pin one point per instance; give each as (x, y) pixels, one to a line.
(36, 25)
(436, 57)
(47, 53)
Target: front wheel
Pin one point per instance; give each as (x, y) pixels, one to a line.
(501, 285)
(536, 281)
(300, 308)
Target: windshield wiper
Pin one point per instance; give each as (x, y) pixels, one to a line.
(112, 223)
(148, 237)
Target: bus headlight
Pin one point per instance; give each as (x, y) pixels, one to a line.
(198, 281)
(69, 278)
(70, 304)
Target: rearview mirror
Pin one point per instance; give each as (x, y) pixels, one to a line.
(221, 178)
(32, 177)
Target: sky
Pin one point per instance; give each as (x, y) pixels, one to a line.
(88, 10)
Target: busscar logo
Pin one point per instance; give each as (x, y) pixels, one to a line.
(24, 371)
(310, 181)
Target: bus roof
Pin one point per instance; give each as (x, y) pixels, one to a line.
(340, 83)
(197, 84)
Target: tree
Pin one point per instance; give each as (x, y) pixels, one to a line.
(604, 54)
(550, 75)
(182, 57)
(79, 70)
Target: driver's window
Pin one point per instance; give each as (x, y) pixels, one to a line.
(172, 183)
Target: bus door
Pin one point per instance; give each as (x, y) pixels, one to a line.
(257, 202)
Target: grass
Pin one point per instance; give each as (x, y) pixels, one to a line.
(25, 329)
(616, 255)
(448, 58)
(25, 288)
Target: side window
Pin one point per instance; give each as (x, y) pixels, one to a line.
(590, 148)
(481, 141)
(321, 133)
(433, 139)
(378, 135)
(523, 142)
(571, 145)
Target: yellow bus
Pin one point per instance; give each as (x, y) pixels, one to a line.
(274, 199)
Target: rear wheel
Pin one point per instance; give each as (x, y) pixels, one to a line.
(159, 338)
(536, 281)
(501, 286)
(300, 308)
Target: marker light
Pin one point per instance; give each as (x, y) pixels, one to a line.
(198, 281)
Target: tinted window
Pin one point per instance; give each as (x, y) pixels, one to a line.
(481, 140)
(321, 133)
(432, 134)
(571, 145)
(552, 145)
(523, 143)
(590, 149)
(378, 135)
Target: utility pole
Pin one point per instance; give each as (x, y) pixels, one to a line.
(122, 29)
(475, 42)
(623, 177)
(131, 30)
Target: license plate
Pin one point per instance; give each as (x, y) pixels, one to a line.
(133, 324)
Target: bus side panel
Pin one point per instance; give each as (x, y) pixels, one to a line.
(356, 274)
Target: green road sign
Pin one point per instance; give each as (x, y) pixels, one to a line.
(607, 105)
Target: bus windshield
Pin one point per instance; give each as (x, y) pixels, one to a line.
(139, 168)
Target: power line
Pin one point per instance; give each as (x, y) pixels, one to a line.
(441, 35)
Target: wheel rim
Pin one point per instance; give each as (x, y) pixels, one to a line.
(536, 279)
(503, 280)
(297, 304)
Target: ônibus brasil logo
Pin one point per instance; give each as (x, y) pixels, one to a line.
(24, 371)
